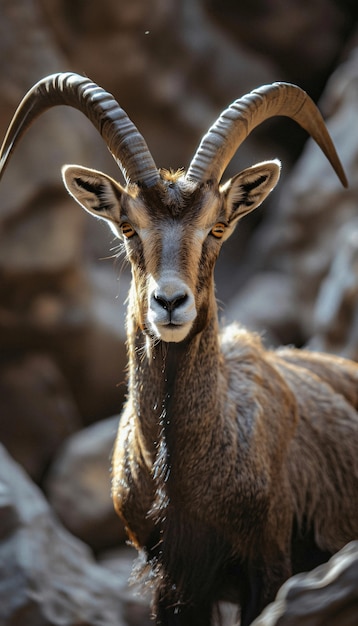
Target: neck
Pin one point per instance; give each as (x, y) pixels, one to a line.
(174, 389)
(177, 391)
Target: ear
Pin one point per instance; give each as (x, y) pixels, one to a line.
(95, 192)
(249, 188)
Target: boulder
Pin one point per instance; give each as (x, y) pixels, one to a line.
(300, 237)
(37, 411)
(46, 287)
(46, 575)
(302, 44)
(52, 302)
(29, 52)
(78, 486)
(335, 318)
(328, 595)
(266, 304)
(136, 597)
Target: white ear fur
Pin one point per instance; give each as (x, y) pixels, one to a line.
(248, 189)
(95, 192)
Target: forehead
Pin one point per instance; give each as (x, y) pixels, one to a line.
(174, 201)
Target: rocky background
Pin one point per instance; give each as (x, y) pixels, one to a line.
(290, 271)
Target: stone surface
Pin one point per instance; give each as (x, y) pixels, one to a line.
(266, 305)
(46, 575)
(46, 289)
(78, 486)
(37, 411)
(135, 597)
(328, 595)
(303, 45)
(335, 318)
(29, 52)
(300, 238)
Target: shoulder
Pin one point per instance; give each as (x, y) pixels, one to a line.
(250, 370)
(238, 343)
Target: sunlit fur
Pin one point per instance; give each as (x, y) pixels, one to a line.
(234, 466)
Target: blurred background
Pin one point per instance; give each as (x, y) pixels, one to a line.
(289, 272)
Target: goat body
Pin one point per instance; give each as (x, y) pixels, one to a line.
(223, 450)
(234, 466)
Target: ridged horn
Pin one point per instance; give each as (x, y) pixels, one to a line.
(223, 139)
(120, 134)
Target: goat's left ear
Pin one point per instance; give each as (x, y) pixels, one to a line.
(245, 191)
(96, 192)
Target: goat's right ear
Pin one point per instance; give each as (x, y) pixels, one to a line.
(95, 192)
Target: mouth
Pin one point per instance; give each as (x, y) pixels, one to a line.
(172, 332)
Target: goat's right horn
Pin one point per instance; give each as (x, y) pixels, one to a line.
(120, 134)
(220, 143)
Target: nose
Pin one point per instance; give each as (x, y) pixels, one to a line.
(170, 303)
(171, 308)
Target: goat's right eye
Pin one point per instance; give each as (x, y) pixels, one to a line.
(218, 230)
(127, 230)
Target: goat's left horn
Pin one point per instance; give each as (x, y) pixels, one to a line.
(219, 145)
(120, 134)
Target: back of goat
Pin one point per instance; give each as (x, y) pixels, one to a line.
(323, 455)
(340, 374)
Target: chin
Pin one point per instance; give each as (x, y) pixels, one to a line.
(172, 333)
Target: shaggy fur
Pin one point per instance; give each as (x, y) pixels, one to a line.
(234, 466)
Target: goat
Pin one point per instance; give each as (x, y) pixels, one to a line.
(234, 466)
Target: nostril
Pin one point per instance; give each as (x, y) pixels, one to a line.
(163, 302)
(179, 300)
(172, 303)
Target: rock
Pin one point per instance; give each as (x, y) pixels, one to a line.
(46, 575)
(46, 241)
(51, 301)
(288, 35)
(328, 595)
(103, 368)
(266, 305)
(37, 411)
(28, 52)
(335, 323)
(136, 597)
(45, 288)
(300, 237)
(78, 486)
(73, 322)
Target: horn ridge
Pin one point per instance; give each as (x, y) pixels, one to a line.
(235, 123)
(123, 139)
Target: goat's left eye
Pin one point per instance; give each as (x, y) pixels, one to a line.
(218, 230)
(127, 230)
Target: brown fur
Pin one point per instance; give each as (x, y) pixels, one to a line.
(225, 449)
(234, 466)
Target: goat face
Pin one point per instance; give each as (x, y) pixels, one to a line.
(172, 233)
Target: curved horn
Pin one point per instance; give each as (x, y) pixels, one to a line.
(219, 145)
(120, 134)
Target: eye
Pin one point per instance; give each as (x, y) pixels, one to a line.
(127, 230)
(218, 230)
